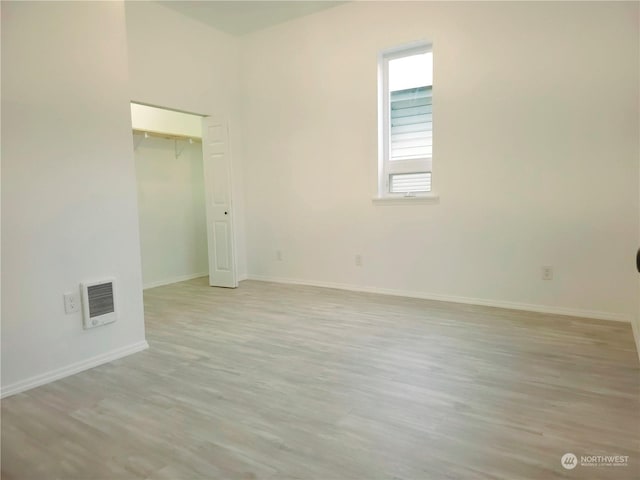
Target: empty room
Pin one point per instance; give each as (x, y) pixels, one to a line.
(320, 240)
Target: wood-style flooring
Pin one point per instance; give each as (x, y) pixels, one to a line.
(290, 382)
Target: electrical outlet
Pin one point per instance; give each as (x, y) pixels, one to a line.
(547, 272)
(279, 255)
(71, 302)
(358, 260)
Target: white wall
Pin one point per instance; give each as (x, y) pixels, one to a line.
(69, 208)
(535, 154)
(171, 202)
(180, 63)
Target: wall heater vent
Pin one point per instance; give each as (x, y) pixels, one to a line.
(99, 303)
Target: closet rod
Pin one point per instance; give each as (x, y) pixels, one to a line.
(168, 136)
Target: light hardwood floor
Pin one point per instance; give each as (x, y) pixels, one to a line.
(291, 382)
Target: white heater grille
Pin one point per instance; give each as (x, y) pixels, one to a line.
(99, 303)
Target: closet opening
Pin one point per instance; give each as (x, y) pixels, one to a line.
(171, 194)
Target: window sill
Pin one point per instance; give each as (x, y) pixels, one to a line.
(418, 199)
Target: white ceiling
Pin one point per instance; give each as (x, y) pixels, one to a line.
(240, 17)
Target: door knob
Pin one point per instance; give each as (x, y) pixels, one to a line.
(226, 213)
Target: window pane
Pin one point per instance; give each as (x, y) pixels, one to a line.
(411, 124)
(410, 182)
(410, 72)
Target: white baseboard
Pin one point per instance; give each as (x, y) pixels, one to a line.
(72, 369)
(169, 281)
(617, 317)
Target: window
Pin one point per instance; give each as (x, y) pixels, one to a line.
(406, 122)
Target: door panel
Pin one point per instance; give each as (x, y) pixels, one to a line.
(217, 174)
(221, 235)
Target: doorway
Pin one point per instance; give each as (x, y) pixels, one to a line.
(184, 196)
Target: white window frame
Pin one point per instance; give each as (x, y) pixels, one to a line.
(385, 166)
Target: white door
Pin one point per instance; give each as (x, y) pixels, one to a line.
(217, 175)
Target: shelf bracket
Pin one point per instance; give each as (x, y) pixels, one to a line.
(178, 153)
(142, 137)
